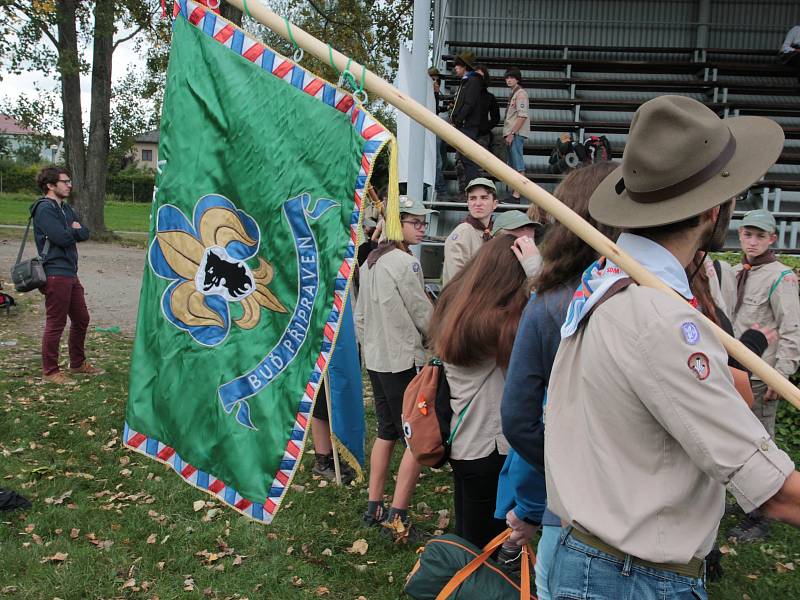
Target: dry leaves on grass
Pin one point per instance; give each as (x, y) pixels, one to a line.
(360, 547)
(58, 557)
(59, 500)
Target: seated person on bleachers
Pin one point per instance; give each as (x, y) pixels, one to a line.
(790, 51)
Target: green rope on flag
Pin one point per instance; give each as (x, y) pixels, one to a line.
(298, 51)
(246, 10)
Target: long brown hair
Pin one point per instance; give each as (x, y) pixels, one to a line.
(477, 314)
(564, 254)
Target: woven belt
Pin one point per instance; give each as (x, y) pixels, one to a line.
(694, 568)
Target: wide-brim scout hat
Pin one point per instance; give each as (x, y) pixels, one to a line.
(485, 182)
(681, 159)
(512, 219)
(412, 206)
(466, 59)
(760, 219)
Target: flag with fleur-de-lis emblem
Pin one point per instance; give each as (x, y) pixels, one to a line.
(262, 171)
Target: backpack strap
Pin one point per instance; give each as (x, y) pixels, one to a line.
(778, 282)
(615, 289)
(46, 248)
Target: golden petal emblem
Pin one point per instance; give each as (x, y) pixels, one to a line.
(220, 226)
(189, 306)
(264, 272)
(251, 315)
(267, 299)
(182, 251)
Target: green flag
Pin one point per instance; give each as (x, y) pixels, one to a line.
(262, 168)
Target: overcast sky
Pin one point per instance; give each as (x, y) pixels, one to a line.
(13, 85)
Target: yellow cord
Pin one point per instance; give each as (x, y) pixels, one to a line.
(394, 230)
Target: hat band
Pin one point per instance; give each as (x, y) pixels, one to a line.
(687, 184)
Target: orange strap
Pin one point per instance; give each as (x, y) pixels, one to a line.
(473, 565)
(528, 561)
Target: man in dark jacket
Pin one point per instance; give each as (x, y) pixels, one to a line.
(490, 111)
(466, 113)
(57, 230)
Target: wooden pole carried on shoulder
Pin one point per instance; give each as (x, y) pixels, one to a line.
(542, 198)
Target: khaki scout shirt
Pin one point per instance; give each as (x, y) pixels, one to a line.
(459, 247)
(480, 432)
(645, 429)
(775, 307)
(392, 313)
(517, 107)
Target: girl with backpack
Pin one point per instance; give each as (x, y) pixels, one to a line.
(472, 331)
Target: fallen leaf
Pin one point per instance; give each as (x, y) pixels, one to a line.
(57, 557)
(151, 539)
(37, 539)
(160, 565)
(359, 547)
(296, 581)
(238, 559)
(29, 528)
(125, 472)
(444, 519)
(188, 584)
(322, 591)
(129, 584)
(784, 567)
(198, 505)
(9, 589)
(327, 552)
(60, 499)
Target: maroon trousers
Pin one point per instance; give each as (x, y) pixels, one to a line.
(63, 297)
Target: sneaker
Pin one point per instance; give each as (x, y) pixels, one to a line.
(87, 369)
(750, 529)
(324, 467)
(58, 378)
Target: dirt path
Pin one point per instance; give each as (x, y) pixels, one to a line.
(110, 274)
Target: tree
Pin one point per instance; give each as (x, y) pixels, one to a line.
(50, 36)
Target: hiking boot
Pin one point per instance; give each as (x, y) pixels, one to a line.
(753, 528)
(87, 369)
(58, 378)
(324, 467)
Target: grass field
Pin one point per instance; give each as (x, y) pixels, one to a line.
(108, 523)
(120, 216)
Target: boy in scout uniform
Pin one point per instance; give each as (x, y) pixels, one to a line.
(468, 237)
(517, 124)
(644, 425)
(392, 313)
(765, 294)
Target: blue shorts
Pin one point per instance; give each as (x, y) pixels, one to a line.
(516, 159)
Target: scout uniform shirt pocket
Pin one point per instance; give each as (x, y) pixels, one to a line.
(755, 307)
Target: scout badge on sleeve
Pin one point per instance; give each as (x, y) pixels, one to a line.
(698, 362)
(262, 170)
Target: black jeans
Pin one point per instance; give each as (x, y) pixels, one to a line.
(470, 169)
(475, 497)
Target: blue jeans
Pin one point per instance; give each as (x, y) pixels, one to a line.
(516, 157)
(545, 554)
(581, 572)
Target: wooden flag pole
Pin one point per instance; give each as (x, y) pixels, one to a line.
(605, 247)
(336, 468)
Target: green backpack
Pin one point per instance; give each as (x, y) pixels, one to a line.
(470, 573)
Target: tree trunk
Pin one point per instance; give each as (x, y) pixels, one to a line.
(231, 13)
(99, 118)
(69, 69)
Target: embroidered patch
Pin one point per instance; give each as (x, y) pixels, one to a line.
(407, 429)
(690, 333)
(698, 362)
(454, 237)
(415, 267)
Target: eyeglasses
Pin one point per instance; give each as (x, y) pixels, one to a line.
(67, 181)
(418, 225)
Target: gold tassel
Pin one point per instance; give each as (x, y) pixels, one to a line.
(394, 230)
